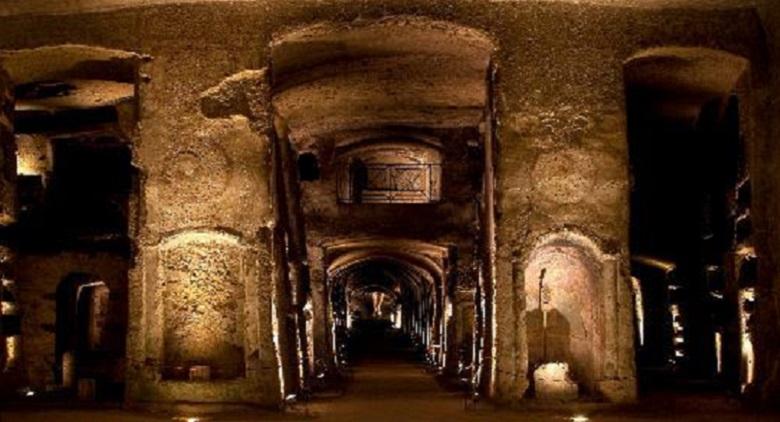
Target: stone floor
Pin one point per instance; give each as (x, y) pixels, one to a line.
(398, 391)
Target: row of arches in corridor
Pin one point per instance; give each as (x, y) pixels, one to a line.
(389, 189)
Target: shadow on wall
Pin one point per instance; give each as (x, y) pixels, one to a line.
(549, 337)
(562, 322)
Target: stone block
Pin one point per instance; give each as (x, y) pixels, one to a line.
(552, 382)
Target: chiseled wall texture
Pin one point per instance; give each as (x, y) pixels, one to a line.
(562, 152)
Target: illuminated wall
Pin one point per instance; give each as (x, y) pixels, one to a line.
(563, 327)
(203, 153)
(201, 325)
(203, 306)
(575, 299)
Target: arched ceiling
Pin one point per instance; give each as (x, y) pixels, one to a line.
(392, 37)
(337, 247)
(403, 280)
(411, 266)
(677, 82)
(402, 72)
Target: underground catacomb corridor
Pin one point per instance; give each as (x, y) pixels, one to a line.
(389, 210)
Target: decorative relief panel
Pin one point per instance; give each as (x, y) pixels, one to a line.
(390, 173)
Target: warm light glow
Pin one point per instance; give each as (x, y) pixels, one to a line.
(308, 312)
(299, 353)
(187, 419)
(554, 370)
(677, 330)
(579, 418)
(719, 351)
(639, 309)
(747, 295)
(553, 381)
(275, 336)
(33, 155)
(746, 251)
(662, 265)
(290, 399)
(7, 308)
(11, 352)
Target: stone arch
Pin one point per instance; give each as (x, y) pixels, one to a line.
(344, 87)
(419, 269)
(708, 98)
(412, 83)
(576, 323)
(202, 285)
(81, 313)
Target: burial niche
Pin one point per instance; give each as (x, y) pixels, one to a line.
(562, 321)
(203, 307)
(390, 172)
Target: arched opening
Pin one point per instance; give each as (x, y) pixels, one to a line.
(83, 350)
(203, 308)
(570, 290)
(380, 289)
(397, 113)
(689, 127)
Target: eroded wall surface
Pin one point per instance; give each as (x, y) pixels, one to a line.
(561, 160)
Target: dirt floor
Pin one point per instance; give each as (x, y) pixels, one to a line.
(387, 390)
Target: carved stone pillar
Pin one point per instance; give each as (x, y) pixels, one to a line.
(204, 291)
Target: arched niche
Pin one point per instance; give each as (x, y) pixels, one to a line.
(202, 285)
(693, 105)
(571, 312)
(411, 271)
(391, 72)
(81, 331)
(390, 172)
